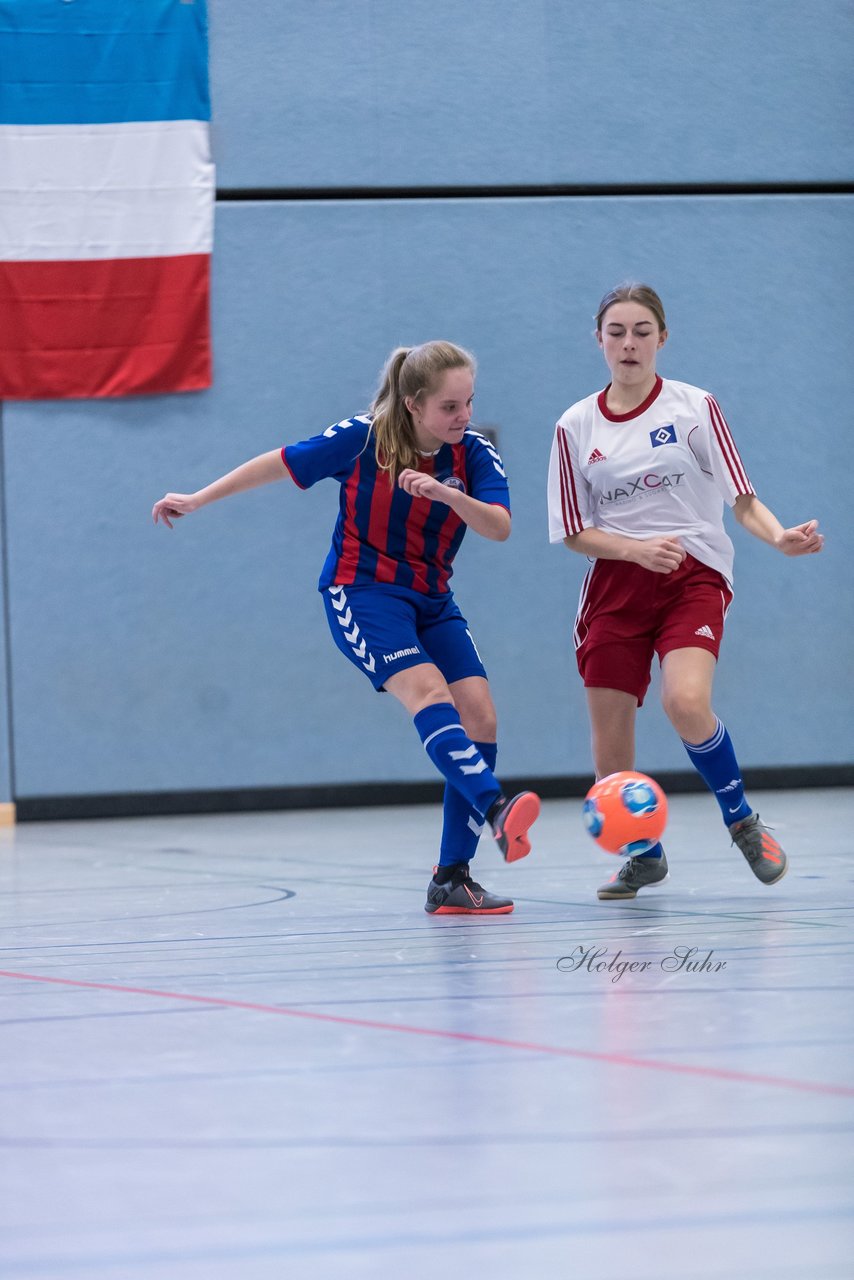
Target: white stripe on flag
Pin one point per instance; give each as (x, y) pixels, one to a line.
(139, 190)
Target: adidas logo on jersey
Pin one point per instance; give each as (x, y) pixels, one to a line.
(705, 631)
(596, 456)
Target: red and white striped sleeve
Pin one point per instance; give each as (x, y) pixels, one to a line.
(728, 469)
(567, 490)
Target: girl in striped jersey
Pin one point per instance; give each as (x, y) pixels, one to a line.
(413, 477)
(637, 481)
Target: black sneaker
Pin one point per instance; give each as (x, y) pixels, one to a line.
(764, 854)
(510, 821)
(463, 896)
(634, 874)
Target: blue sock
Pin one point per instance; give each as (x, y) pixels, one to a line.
(716, 764)
(655, 852)
(462, 825)
(455, 755)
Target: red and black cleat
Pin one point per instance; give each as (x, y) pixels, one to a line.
(460, 895)
(511, 822)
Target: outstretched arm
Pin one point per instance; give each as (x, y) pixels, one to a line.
(754, 516)
(261, 470)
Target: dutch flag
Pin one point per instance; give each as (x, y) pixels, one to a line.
(106, 198)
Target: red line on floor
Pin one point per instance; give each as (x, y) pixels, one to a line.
(466, 1037)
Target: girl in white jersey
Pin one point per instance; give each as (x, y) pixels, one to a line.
(638, 477)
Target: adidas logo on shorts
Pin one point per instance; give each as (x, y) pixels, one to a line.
(705, 631)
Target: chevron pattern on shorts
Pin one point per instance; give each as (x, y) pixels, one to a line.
(338, 598)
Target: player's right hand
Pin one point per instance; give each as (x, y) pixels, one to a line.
(660, 555)
(173, 506)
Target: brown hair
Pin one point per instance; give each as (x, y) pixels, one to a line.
(632, 291)
(409, 372)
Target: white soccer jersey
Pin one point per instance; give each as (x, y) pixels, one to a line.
(664, 470)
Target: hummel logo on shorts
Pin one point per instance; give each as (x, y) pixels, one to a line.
(705, 631)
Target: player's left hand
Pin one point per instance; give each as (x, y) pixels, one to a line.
(801, 540)
(419, 485)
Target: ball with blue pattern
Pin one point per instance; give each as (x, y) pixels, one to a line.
(625, 813)
(638, 797)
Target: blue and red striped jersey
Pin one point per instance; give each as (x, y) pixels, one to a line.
(382, 534)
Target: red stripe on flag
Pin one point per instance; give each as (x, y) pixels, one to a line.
(726, 444)
(104, 327)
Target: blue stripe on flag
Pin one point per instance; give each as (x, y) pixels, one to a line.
(103, 61)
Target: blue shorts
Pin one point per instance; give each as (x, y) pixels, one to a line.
(384, 629)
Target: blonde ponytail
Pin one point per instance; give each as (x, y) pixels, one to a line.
(408, 373)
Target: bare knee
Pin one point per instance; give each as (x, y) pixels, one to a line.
(419, 687)
(690, 713)
(473, 699)
(686, 692)
(430, 696)
(481, 725)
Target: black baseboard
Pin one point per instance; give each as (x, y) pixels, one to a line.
(138, 804)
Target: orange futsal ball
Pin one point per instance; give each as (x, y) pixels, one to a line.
(625, 813)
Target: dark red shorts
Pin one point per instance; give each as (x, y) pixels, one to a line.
(626, 614)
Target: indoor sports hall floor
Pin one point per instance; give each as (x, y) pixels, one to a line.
(236, 1046)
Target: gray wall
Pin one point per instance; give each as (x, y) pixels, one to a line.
(143, 660)
(379, 93)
